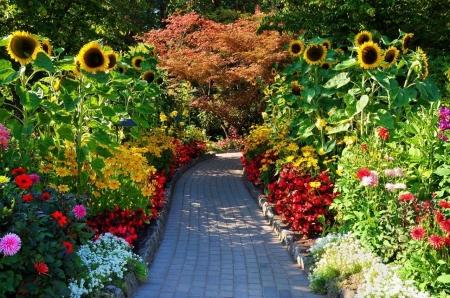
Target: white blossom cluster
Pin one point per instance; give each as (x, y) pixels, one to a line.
(105, 259)
(381, 281)
(345, 254)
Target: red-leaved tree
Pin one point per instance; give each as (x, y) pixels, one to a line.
(225, 63)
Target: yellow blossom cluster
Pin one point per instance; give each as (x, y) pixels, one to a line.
(155, 142)
(259, 136)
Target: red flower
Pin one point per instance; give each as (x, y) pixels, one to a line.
(418, 233)
(437, 242)
(45, 196)
(41, 267)
(62, 220)
(23, 181)
(445, 225)
(444, 204)
(18, 171)
(384, 133)
(439, 216)
(27, 197)
(364, 147)
(363, 173)
(447, 241)
(68, 246)
(406, 197)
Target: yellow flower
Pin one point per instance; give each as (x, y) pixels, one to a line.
(321, 123)
(92, 58)
(349, 141)
(100, 184)
(264, 115)
(406, 42)
(114, 184)
(182, 123)
(147, 191)
(113, 57)
(96, 194)
(23, 47)
(362, 37)
(296, 48)
(60, 171)
(63, 188)
(340, 170)
(162, 117)
(46, 47)
(4, 179)
(185, 113)
(290, 158)
(264, 168)
(136, 62)
(327, 44)
(107, 172)
(315, 54)
(174, 114)
(137, 177)
(314, 185)
(390, 56)
(292, 147)
(74, 172)
(321, 151)
(70, 154)
(369, 55)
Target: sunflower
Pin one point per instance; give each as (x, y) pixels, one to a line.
(326, 65)
(296, 48)
(424, 60)
(327, 44)
(76, 69)
(136, 62)
(362, 37)
(296, 88)
(390, 56)
(315, 53)
(122, 69)
(148, 76)
(406, 42)
(113, 57)
(153, 53)
(369, 55)
(46, 47)
(92, 58)
(253, 81)
(339, 51)
(23, 47)
(273, 71)
(160, 81)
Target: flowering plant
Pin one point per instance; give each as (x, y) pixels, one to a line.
(106, 261)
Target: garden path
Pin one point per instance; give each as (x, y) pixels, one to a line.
(217, 242)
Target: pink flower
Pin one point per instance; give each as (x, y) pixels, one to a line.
(10, 244)
(418, 233)
(390, 173)
(34, 178)
(4, 137)
(437, 242)
(390, 186)
(370, 180)
(398, 172)
(445, 225)
(444, 204)
(79, 211)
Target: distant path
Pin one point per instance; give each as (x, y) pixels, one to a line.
(217, 242)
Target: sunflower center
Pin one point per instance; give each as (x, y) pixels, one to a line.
(389, 56)
(23, 47)
(149, 76)
(314, 53)
(112, 61)
(45, 48)
(369, 55)
(295, 48)
(406, 42)
(363, 38)
(138, 62)
(122, 69)
(94, 58)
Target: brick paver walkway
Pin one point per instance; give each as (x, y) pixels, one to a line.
(217, 242)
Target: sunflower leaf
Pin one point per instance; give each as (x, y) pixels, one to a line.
(66, 132)
(102, 137)
(339, 80)
(4, 41)
(444, 278)
(43, 62)
(97, 164)
(8, 75)
(362, 103)
(346, 64)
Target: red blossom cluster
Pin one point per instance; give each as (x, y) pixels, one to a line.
(301, 199)
(157, 200)
(121, 223)
(253, 166)
(435, 214)
(185, 152)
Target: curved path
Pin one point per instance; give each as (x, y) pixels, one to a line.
(217, 242)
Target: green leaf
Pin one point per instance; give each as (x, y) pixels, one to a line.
(43, 119)
(444, 278)
(428, 90)
(98, 164)
(4, 115)
(339, 80)
(70, 103)
(362, 103)
(99, 77)
(442, 171)
(338, 129)
(104, 152)
(404, 97)
(102, 137)
(8, 75)
(350, 101)
(382, 79)
(43, 62)
(108, 111)
(5, 41)
(384, 118)
(330, 145)
(66, 132)
(346, 64)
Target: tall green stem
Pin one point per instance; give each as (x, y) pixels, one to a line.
(362, 110)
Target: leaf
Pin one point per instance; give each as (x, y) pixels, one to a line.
(8, 75)
(330, 145)
(102, 137)
(4, 115)
(384, 118)
(43, 119)
(98, 164)
(442, 171)
(346, 64)
(404, 97)
(338, 129)
(428, 90)
(108, 111)
(104, 152)
(66, 132)
(70, 104)
(339, 80)
(43, 61)
(362, 103)
(5, 41)
(444, 278)
(382, 79)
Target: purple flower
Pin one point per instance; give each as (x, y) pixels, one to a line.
(79, 211)
(371, 180)
(390, 173)
(35, 178)
(444, 122)
(10, 244)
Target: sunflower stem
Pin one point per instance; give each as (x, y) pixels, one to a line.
(362, 110)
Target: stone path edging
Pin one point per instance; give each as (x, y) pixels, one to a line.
(286, 237)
